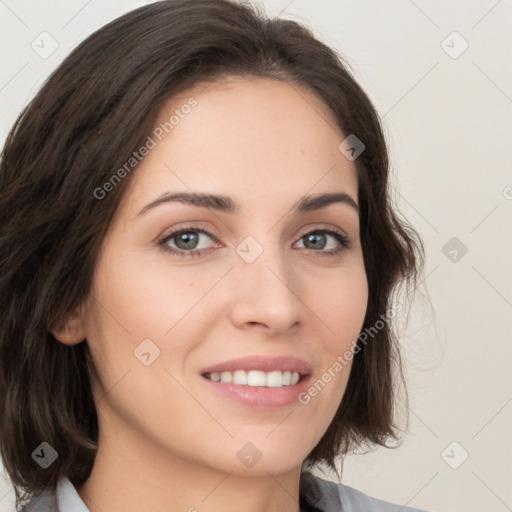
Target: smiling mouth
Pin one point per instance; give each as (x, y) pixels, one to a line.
(256, 378)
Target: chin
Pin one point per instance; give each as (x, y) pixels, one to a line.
(273, 466)
(252, 459)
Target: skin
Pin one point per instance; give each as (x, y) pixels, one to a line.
(167, 441)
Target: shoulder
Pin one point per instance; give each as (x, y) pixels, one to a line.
(44, 502)
(327, 496)
(65, 499)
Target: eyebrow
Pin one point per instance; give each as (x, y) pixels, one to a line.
(228, 205)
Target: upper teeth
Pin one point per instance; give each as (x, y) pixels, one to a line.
(274, 379)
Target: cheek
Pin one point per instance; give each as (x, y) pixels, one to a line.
(139, 299)
(343, 306)
(144, 298)
(340, 307)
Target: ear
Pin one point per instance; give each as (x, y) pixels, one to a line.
(73, 331)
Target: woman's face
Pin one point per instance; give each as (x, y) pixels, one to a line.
(164, 309)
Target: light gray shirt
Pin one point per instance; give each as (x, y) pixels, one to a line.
(316, 495)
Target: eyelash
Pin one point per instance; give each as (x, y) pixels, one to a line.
(338, 235)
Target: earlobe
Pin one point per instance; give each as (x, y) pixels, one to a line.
(73, 331)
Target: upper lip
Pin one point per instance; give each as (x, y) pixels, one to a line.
(262, 363)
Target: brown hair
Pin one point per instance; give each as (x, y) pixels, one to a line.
(92, 113)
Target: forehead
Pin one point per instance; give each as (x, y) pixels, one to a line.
(261, 138)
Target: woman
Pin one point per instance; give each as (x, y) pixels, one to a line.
(198, 254)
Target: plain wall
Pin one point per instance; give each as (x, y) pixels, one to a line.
(448, 120)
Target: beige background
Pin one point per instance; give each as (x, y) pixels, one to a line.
(448, 118)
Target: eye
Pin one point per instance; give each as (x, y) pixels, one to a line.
(317, 239)
(186, 241)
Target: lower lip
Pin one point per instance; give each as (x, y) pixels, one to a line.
(261, 397)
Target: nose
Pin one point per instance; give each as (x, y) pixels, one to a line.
(267, 294)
